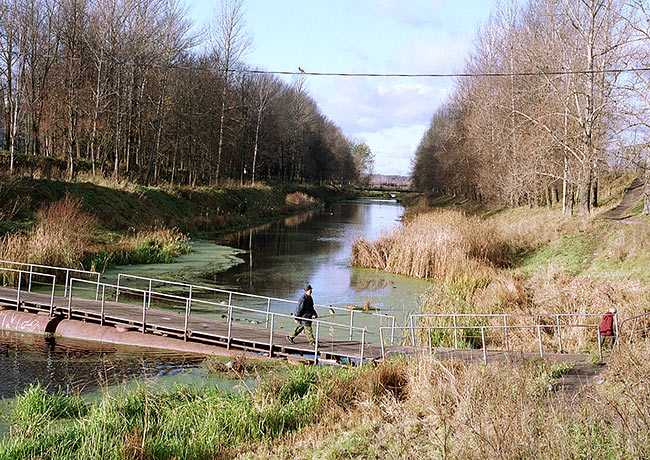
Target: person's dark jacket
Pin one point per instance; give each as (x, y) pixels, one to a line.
(305, 309)
(607, 325)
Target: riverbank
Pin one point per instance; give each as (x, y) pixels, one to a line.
(422, 408)
(482, 260)
(97, 224)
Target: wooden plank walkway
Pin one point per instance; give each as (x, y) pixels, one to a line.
(245, 337)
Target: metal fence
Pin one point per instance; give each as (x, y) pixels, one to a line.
(68, 271)
(109, 295)
(263, 303)
(640, 325)
(17, 279)
(455, 323)
(429, 347)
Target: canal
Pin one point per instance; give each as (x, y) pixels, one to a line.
(275, 260)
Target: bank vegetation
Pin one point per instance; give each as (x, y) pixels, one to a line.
(419, 408)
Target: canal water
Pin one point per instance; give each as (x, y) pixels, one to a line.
(275, 260)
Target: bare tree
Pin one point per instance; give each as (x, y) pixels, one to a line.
(230, 42)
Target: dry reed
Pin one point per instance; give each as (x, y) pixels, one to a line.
(60, 236)
(441, 244)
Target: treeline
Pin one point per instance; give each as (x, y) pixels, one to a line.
(132, 88)
(558, 95)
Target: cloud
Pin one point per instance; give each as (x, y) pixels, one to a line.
(423, 13)
(394, 147)
(373, 104)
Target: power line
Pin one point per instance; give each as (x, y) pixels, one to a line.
(449, 75)
(152, 65)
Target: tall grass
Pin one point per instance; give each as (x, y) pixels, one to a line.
(183, 422)
(62, 233)
(451, 410)
(159, 245)
(441, 244)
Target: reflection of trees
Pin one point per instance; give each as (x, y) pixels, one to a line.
(298, 219)
(285, 249)
(361, 281)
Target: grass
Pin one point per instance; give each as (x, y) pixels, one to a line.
(453, 410)
(180, 423)
(64, 236)
(405, 408)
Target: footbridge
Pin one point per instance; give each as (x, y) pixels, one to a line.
(164, 313)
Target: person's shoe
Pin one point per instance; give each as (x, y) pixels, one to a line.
(313, 344)
(290, 339)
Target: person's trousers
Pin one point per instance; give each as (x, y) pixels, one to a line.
(308, 331)
(603, 337)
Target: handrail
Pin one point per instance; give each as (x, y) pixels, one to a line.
(31, 274)
(268, 299)
(635, 320)
(50, 267)
(147, 296)
(483, 328)
(455, 316)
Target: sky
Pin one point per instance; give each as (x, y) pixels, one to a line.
(366, 36)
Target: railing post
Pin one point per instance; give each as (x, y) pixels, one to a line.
(271, 336)
(268, 310)
(67, 279)
(229, 326)
(20, 280)
(632, 331)
(230, 298)
(144, 312)
(381, 341)
(429, 338)
(559, 332)
(316, 342)
(97, 290)
(149, 296)
(363, 346)
(117, 290)
(52, 297)
(455, 333)
(31, 272)
(70, 301)
(505, 328)
(600, 346)
(102, 318)
(392, 332)
(190, 296)
(539, 337)
(483, 341)
(351, 323)
(187, 316)
(412, 330)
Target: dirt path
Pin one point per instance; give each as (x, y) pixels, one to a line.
(581, 374)
(632, 196)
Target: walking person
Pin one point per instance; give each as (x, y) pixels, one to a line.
(607, 327)
(304, 313)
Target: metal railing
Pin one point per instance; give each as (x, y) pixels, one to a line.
(430, 347)
(68, 272)
(194, 289)
(188, 302)
(25, 276)
(635, 320)
(560, 321)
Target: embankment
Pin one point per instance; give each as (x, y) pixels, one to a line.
(123, 207)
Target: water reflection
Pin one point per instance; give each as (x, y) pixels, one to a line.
(80, 366)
